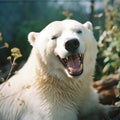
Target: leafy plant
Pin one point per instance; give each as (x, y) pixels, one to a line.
(15, 54)
(109, 51)
(109, 43)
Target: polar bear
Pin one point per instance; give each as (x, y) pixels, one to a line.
(56, 81)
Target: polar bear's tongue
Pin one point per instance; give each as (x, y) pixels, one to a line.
(74, 65)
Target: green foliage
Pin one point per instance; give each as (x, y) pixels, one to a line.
(109, 52)
(108, 60)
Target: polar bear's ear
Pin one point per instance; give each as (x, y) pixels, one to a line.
(88, 25)
(32, 37)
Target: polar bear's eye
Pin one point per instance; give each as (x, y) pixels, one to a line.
(79, 31)
(54, 37)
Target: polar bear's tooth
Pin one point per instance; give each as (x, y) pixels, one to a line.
(81, 66)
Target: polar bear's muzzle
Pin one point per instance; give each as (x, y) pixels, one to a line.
(74, 61)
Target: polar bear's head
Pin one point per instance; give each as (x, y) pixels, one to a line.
(66, 48)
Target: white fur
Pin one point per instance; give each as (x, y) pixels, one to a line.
(43, 89)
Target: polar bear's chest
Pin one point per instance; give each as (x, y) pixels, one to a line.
(50, 111)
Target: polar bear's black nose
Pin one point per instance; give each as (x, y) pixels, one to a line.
(72, 45)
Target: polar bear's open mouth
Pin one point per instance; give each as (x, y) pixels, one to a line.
(73, 64)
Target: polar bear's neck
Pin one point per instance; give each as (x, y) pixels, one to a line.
(32, 64)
